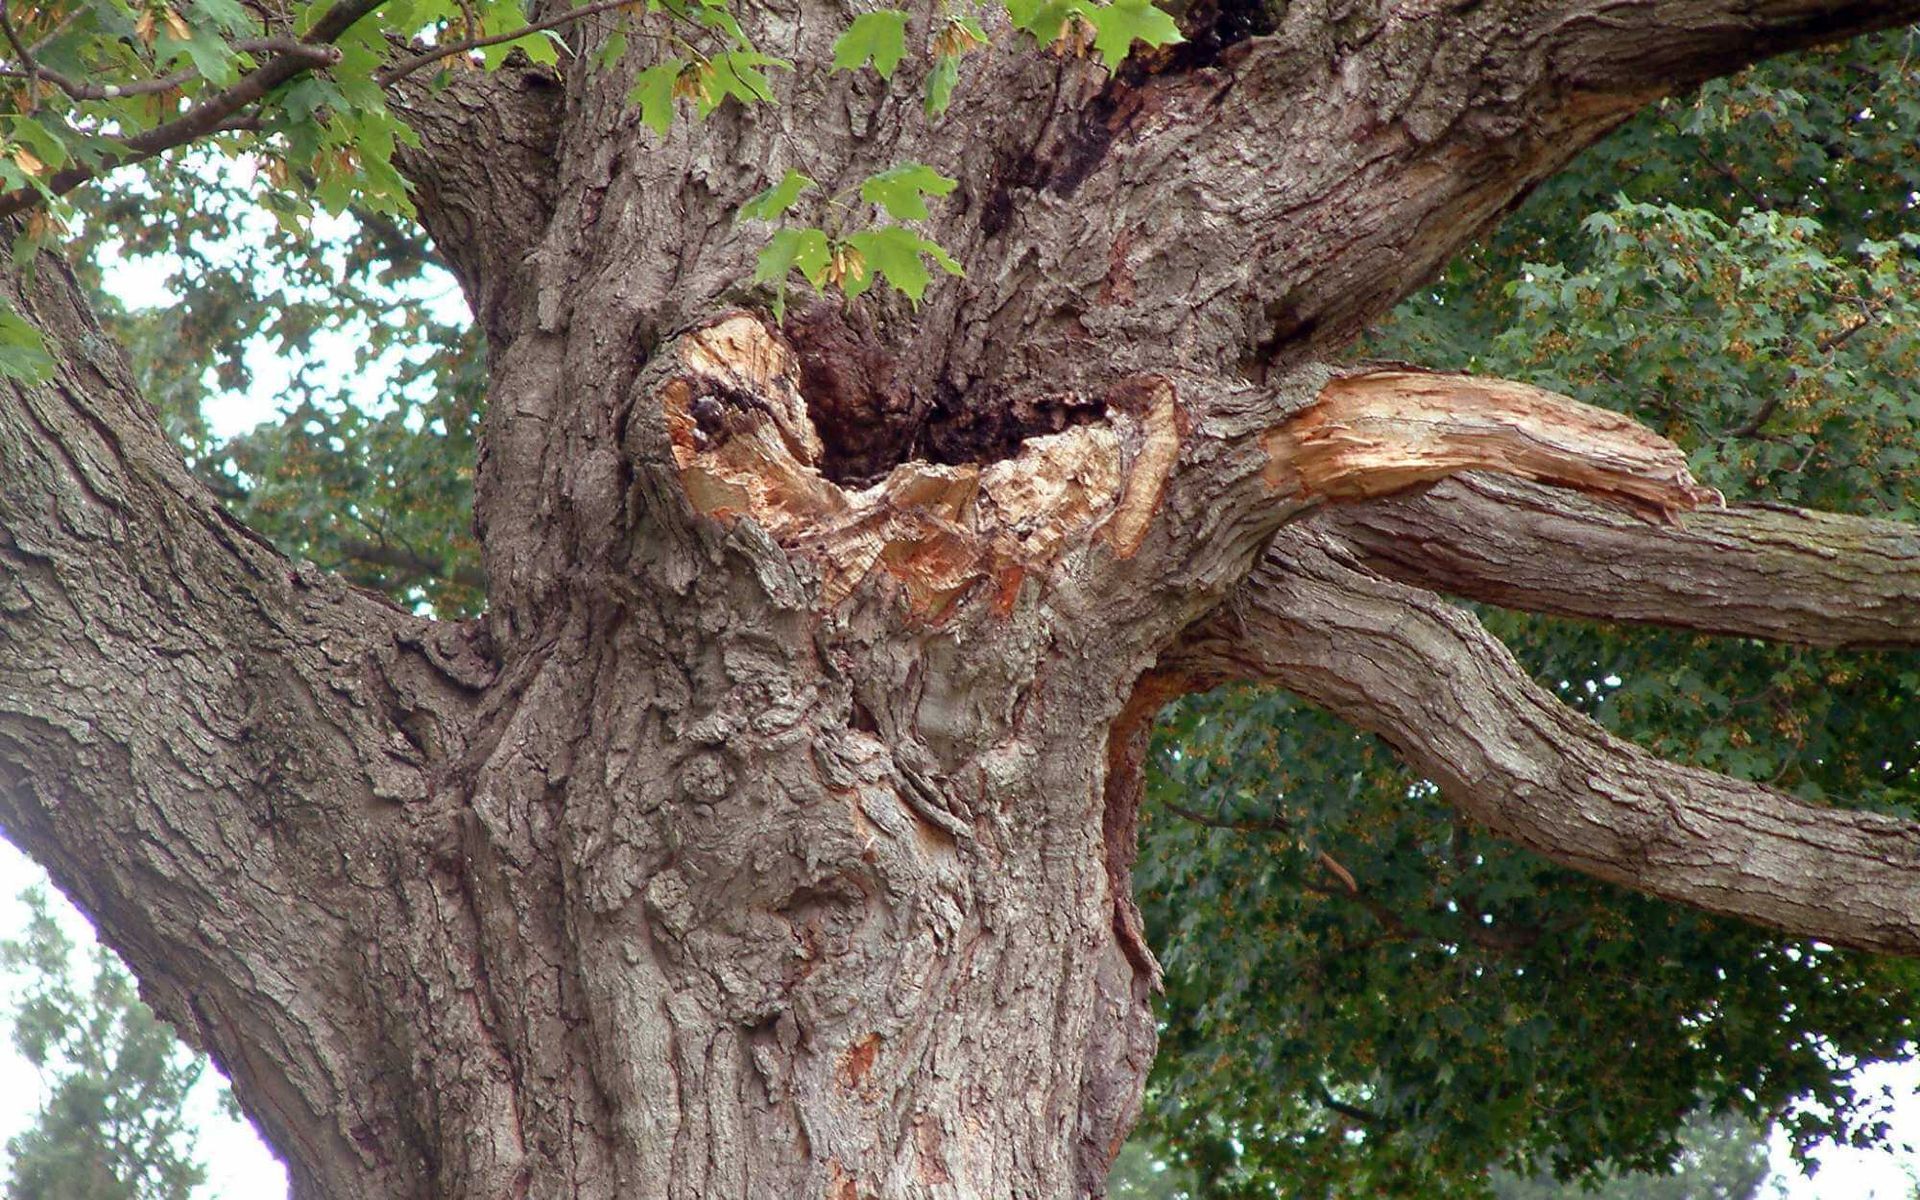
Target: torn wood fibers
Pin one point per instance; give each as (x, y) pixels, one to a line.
(745, 447)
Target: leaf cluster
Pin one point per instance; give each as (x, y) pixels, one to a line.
(112, 1124)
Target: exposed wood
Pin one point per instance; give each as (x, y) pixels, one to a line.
(1374, 433)
(745, 447)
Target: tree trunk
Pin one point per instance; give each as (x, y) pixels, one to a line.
(769, 837)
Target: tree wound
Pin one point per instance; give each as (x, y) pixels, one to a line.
(746, 446)
(1376, 432)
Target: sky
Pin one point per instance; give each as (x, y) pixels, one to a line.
(240, 1167)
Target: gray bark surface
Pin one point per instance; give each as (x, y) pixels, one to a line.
(1421, 673)
(1784, 574)
(769, 836)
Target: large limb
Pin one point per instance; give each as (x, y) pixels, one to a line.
(1424, 675)
(1266, 201)
(1791, 575)
(200, 740)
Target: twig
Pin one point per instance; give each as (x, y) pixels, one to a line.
(215, 113)
(105, 91)
(1244, 825)
(60, 27)
(31, 68)
(408, 66)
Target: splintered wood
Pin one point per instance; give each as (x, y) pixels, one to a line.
(1376, 432)
(746, 448)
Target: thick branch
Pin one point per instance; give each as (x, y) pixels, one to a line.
(1450, 698)
(201, 742)
(484, 178)
(1268, 204)
(1605, 45)
(1789, 575)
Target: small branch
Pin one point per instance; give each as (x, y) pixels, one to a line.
(1266, 825)
(387, 556)
(1372, 1120)
(408, 66)
(1242, 825)
(78, 90)
(216, 112)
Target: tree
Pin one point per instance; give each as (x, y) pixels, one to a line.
(1725, 1158)
(112, 1126)
(770, 833)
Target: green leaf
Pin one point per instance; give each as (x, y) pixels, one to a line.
(715, 15)
(23, 352)
(42, 142)
(900, 190)
(1119, 25)
(896, 252)
(803, 249)
(736, 73)
(612, 50)
(940, 83)
(210, 55)
(229, 15)
(879, 37)
(773, 203)
(653, 92)
(542, 46)
(1044, 20)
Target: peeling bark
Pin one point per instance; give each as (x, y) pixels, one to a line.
(1377, 432)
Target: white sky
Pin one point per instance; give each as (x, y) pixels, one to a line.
(241, 1168)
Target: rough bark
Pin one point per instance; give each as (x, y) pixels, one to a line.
(1399, 662)
(214, 750)
(1784, 574)
(771, 837)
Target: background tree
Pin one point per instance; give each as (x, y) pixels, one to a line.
(730, 936)
(1721, 1158)
(112, 1125)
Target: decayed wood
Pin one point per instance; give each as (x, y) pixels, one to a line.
(745, 447)
(1448, 696)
